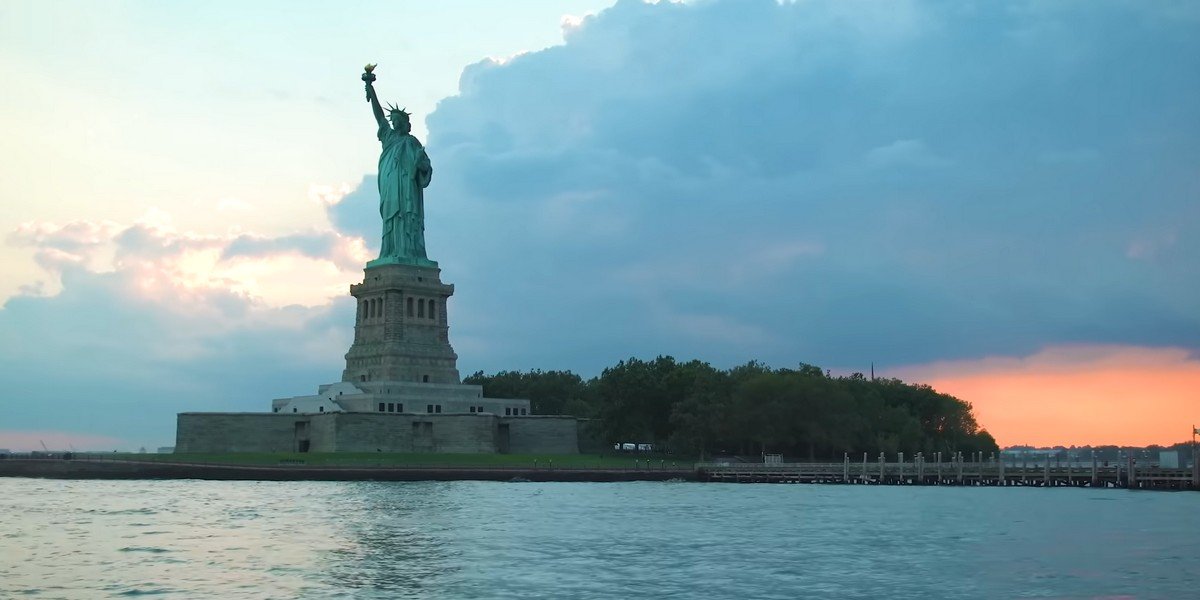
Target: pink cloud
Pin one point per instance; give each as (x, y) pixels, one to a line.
(306, 268)
(1076, 394)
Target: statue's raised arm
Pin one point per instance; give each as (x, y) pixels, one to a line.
(369, 78)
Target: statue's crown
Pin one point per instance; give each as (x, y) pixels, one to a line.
(393, 109)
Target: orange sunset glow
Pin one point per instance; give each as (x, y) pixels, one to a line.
(1077, 395)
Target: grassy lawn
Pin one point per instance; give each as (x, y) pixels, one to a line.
(563, 461)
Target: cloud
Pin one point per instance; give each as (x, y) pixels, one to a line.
(59, 246)
(571, 22)
(347, 253)
(960, 180)
(328, 195)
(306, 268)
(356, 213)
(149, 321)
(1148, 247)
(106, 357)
(103, 358)
(73, 236)
(1076, 394)
(905, 153)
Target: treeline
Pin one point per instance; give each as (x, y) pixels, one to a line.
(693, 408)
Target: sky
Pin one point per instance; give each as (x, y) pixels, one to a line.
(999, 199)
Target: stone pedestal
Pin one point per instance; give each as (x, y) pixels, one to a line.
(401, 332)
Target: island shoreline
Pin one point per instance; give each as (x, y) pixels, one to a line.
(122, 469)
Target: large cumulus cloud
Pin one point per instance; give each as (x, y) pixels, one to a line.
(827, 182)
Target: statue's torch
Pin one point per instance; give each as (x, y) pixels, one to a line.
(369, 77)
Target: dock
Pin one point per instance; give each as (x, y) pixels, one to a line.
(977, 471)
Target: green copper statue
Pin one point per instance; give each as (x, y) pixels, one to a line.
(404, 172)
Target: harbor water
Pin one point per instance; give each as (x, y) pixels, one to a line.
(207, 539)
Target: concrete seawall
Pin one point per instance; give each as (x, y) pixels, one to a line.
(117, 469)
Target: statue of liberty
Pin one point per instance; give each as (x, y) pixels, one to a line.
(404, 172)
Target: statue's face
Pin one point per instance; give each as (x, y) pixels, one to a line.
(400, 122)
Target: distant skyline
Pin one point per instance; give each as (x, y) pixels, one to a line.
(1000, 199)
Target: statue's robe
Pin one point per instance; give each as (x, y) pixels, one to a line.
(404, 172)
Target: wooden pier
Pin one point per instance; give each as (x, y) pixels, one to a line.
(977, 471)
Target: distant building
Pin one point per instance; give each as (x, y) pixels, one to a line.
(1029, 452)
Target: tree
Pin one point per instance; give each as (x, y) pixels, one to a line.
(548, 392)
(697, 409)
